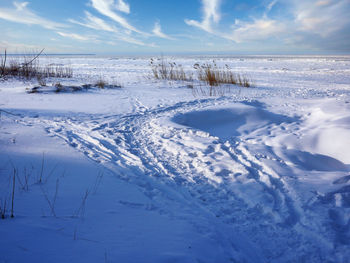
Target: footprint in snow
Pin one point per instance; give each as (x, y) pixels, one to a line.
(342, 180)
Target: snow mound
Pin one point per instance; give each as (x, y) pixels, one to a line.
(239, 119)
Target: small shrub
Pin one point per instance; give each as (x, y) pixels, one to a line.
(101, 84)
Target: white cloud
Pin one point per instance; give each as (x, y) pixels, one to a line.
(123, 7)
(94, 22)
(99, 24)
(107, 7)
(318, 23)
(271, 5)
(211, 14)
(132, 40)
(257, 30)
(157, 31)
(21, 14)
(242, 31)
(20, 6)
(14, 47)
(322, 17)
(129, 39)
(74, 36)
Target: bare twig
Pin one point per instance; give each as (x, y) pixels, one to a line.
(52, 171)
(52, 202)
(10, 113)
(42, 168)
(13, 191)
(3, 208)
(81, 210)
(26, 64)
(97, 182)
(26, 180)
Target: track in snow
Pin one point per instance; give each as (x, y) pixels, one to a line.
(241, 193)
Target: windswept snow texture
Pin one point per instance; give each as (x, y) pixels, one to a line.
(259, 175)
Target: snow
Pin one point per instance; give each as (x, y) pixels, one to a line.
(260, 174)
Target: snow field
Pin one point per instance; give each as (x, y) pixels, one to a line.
(259, 175)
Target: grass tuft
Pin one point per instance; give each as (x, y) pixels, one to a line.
(101, 83)
(28, 67)
(219, 79)
(215, 76)
(162, 69)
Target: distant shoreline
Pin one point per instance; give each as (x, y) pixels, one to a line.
(24, 54)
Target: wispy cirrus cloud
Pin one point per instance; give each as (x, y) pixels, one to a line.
(13, 47)
(157, 31)
(322, 17)
(134, 41)
(271, 5)
(313, 23)
(123, 7)
(258, 29)
(74, 36)
(108, 8)
(98, 24)
(20, 13)
(94, 22)
(211, 14)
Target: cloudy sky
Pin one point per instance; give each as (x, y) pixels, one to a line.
(176, 26)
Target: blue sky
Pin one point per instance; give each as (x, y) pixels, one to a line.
(177, 26)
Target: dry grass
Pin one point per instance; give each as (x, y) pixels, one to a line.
(205, 90)
(162, 69)
(101, 83)
(28, 67)
(3, 208)
(219, 79)
(7, 197)
(55, 71)
(215, 76)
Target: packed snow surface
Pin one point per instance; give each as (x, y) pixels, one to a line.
(156, 171)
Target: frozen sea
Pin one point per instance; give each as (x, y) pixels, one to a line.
(158, 171)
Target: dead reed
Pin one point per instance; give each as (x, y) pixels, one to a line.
(7, 197)
(162, 69)
(219, 79)
(215, 76)
(28, 67)
(101, 83)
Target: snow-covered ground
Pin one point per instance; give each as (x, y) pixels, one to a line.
(157, 172)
